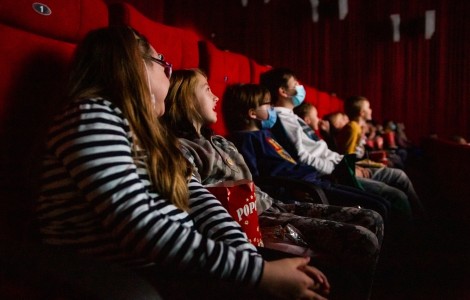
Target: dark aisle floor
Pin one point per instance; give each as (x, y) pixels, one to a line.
(436, 267)
(433, 262)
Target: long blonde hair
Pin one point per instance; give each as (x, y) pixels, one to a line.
(181, 107)
(109, 63)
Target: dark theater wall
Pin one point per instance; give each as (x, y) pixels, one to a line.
(423, 83)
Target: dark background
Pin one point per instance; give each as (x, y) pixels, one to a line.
(423, 83)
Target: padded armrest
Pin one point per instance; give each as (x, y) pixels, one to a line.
(304, 191)
(70, 276)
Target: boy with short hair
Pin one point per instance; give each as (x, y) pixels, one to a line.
(350, 138)
(286, 93)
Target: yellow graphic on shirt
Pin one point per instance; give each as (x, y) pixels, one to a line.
(281, 151)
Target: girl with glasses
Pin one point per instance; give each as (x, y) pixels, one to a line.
(115, 185)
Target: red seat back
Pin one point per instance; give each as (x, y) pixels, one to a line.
(257, 69)
(311, 95)
(34, 57)
(324, 104)
(179, 46)
(337, 104)
(223, 68)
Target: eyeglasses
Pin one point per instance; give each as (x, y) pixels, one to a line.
(161, 61)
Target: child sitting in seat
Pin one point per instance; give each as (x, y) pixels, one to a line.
(190, 110)
(115, 185)
(266, 157)
(351, 140)
(327, 127)
(286, 93)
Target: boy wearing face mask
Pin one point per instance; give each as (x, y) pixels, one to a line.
(190, 106)
(286, 94)
(249, 117)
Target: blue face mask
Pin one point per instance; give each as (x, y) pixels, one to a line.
(272, 118)
(299, 97)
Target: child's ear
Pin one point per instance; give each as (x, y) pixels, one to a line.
(252, 113)
(307, 120)
(282, 91)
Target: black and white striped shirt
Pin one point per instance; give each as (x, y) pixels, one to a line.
(96, 198)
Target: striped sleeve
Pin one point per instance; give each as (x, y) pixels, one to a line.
(93, 144)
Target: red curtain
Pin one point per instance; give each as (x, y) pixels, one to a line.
(423, 83)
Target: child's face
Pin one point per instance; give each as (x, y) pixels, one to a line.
(291, 84)
(261, 111)
(312, 118)
(159, 83)
(366, 111)
(206, 100)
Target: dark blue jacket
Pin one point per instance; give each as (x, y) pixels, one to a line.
(265, 157)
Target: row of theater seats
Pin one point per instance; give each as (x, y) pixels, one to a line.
(185, 49)
(38, 44)
(38, 40)
(35, 49)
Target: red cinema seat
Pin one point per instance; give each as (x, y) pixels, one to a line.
(324, 104)
(223, 68)
(178, 46)
(337, 104)
(257, 69)
(311, 95)
(38, 42)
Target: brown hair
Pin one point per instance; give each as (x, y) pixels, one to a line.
(181, 107)
(303, 109)
(353, 106)
(274, 79)
(109, 63)
(237, 100)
